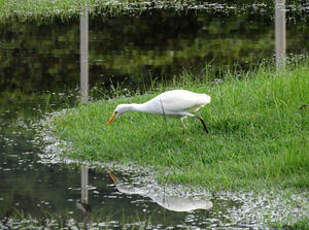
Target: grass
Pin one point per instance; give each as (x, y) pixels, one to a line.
(43, 9)
(48, 10)
(258, 133)
(300, 224)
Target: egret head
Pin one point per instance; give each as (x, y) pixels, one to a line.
(120, 109)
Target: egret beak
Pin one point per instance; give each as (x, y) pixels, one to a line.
(111, 119)
(113, 177)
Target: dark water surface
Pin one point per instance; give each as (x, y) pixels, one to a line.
(39, 73)
(133, 52)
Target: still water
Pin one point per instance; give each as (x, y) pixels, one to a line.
(39, 63)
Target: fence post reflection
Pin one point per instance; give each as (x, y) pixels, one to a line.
(280, 33)
(84, 87)
(84, 184)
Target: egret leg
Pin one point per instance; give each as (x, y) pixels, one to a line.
(201, 119)
(183, 124)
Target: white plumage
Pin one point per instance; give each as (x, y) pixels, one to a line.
(179, 103)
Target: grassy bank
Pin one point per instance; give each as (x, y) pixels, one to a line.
(67, 9)
(259, 133)
(46, 10)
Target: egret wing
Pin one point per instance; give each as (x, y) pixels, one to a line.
(182, 100)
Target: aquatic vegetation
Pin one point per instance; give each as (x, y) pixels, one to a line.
(258, 133)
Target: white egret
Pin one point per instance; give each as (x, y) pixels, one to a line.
(178, 103)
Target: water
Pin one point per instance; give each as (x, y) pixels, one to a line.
(132, 52)
(39, 65)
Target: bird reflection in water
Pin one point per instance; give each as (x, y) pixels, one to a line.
(172, 203)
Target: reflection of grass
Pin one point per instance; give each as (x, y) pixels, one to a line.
(258, 133)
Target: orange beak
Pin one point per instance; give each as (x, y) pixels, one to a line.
(111, 119)
(113, 177)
